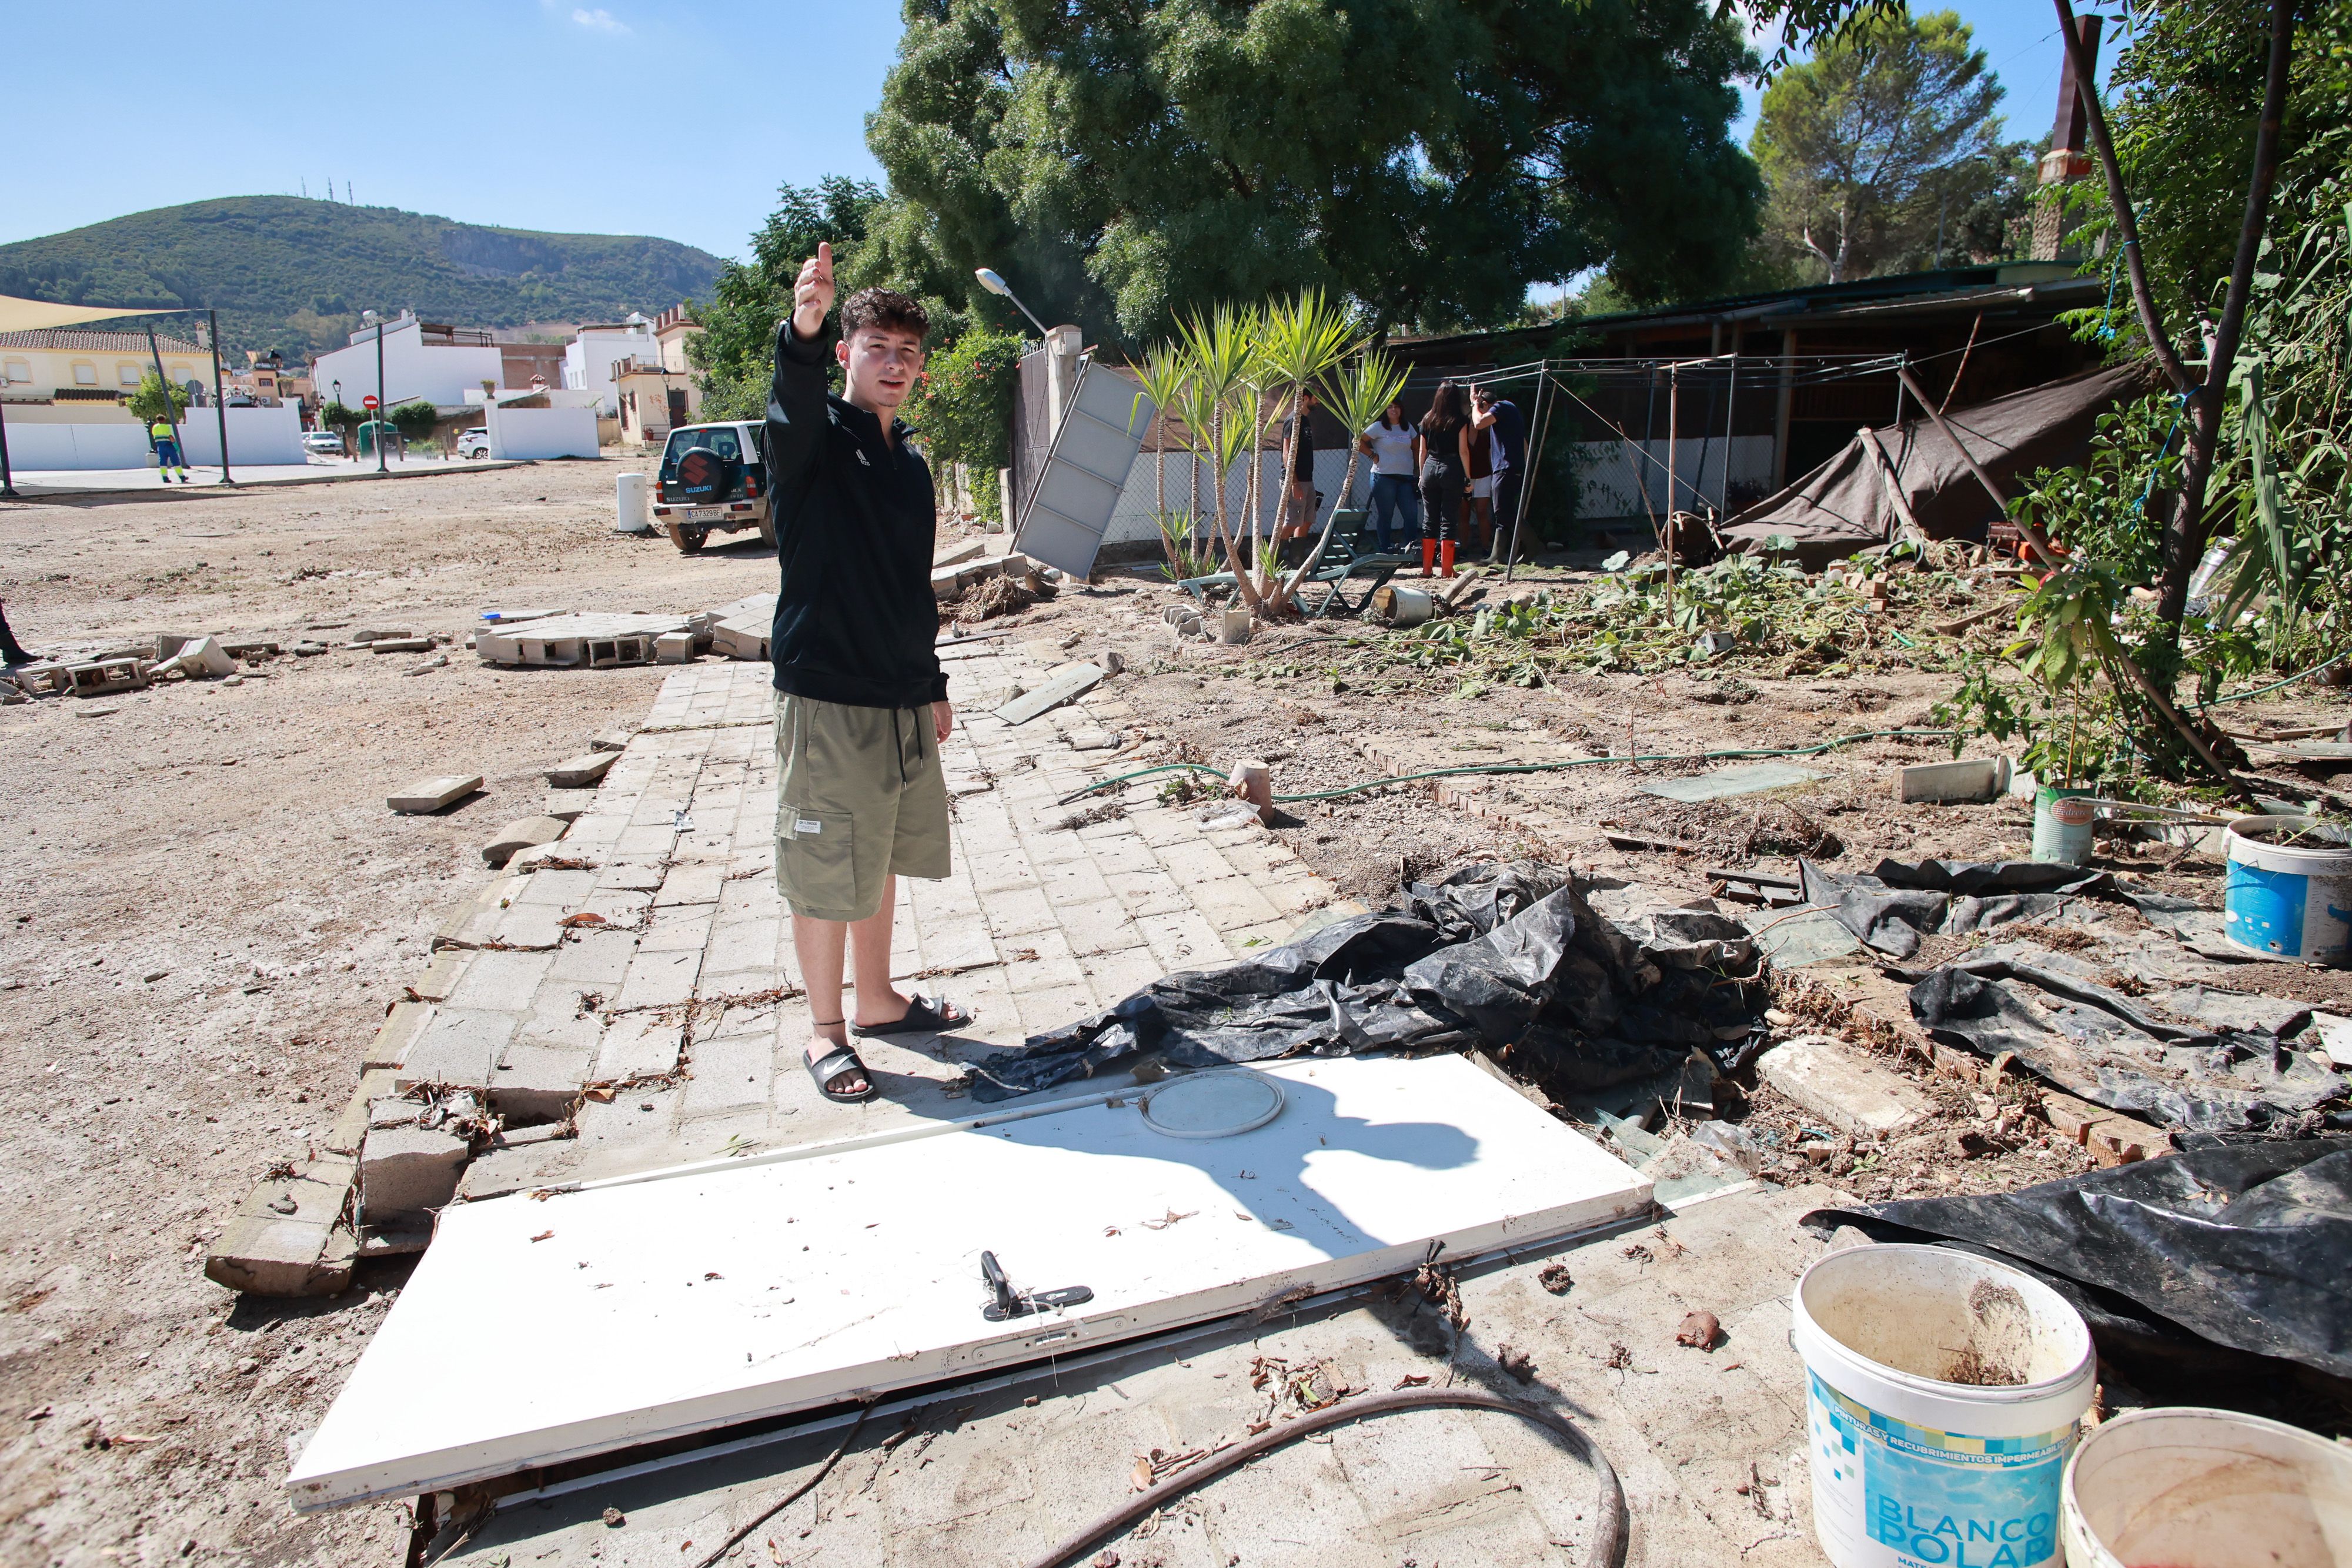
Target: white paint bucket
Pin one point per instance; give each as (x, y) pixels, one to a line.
(1910, 1467)
(2062, 825)
(1402, 606)
(2288, 900)
(630, 514)
(2207, 1489)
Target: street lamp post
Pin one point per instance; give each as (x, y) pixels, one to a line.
(996, 285)
(220, 403)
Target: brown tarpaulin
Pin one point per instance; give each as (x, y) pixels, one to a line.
(1848, 503)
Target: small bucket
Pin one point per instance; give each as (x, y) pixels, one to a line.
(2207, 1489)
(2062, 825)
(1943, 1393)
(2288, 901)
(1402, 606)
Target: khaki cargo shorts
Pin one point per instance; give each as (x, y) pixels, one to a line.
(861, 799)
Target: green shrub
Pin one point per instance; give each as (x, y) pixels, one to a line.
(413, 420)
(963, 408)
(148, 405)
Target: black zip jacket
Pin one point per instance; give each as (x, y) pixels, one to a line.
(855, 617)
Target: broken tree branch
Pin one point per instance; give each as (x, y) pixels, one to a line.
(2135, 267)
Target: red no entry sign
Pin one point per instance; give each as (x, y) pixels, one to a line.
(368, 402)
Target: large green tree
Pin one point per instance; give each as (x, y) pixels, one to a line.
(1885, 149)
(1130, 162)
(735, 350)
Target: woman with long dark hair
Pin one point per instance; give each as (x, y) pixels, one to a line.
(1444, 450)
(1389, 444)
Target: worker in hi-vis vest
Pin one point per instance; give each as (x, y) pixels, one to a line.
(167, 450)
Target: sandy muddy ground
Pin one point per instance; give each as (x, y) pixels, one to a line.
(208, 908)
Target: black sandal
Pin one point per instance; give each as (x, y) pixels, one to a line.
(925, 1015)
(838, 1062)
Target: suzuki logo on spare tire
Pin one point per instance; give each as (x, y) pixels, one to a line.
(704, 476)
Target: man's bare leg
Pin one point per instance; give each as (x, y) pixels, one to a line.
(819, 946)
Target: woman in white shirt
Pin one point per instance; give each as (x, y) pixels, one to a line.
(1389, 444)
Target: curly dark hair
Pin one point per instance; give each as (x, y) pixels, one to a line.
(886, 309)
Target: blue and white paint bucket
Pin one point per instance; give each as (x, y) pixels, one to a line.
(2289, 900)
(1945, 1393)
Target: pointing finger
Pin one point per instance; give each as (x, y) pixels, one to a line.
(825, 257)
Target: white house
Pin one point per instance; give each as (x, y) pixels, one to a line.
(425, 359)
(589, 358)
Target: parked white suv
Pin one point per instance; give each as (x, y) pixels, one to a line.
(474, 443)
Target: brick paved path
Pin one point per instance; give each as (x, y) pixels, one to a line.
(674, 999)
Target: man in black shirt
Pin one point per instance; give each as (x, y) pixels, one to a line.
(1510, 431)
(861, 702)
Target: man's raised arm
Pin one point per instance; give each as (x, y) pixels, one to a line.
(796, 398)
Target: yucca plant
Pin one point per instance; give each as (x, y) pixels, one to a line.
(1222, 350)
(1358, 393)
(1165, 374)
(1300, 343)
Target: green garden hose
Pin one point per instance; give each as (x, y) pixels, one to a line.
(1503, 768)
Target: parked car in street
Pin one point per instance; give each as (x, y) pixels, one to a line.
(323, 443)
(712, 481)
(474, 443)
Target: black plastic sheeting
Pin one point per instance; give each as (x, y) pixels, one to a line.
(1512, 957)
(1901, 900)
(2096, 1043)
(2246, 1244)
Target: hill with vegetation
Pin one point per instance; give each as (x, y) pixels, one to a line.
(294, 273)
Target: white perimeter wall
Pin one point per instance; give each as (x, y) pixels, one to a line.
(1133, 519)
(412, 369)
(256, 435)
(115, 444)
(542, 431)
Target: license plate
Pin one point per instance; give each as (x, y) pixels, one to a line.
(706, 513)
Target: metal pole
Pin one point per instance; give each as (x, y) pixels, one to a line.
(380, 410)
(1674, 428)
(171, 409)
(1535, 466)
(1730, 407)
(7, 476)
(220, 404)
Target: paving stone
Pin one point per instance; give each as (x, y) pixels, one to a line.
(1298, 895)
(636, 1045)
(440, 974)
(570, 805)
(693, 884)
(287, 1238)
(660, 980)
(538, 1082)
(1232, 904)
(505, 982)
(351, 1125)
(1849, 1092)
(420, 797)
(406, 1172)
(397, 1036)
(680, 928)
(515, 837)
(529, 925)
(730, 1073)
(583, 772)
(593, 958)
(457, 1046)
(565, 890)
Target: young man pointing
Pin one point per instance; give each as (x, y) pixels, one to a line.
(861, 704)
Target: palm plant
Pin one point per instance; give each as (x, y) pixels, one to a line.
(1222, 350)
(1301, 342)
(1359, 393)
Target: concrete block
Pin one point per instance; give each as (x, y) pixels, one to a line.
(516, 837)
(421, 796)
(538, 1082)
(406, 1171)
(957, 554)
(445, 970)
(351, 1125)
(458, 1045)
(674, 648)
(397, 1036)
(570, 805)
(610, 741)
(1851, 1093)
(401, 645)
(501, 982)
(287, 1238)
(583, 772)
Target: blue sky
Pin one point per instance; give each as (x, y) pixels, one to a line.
(618, 117)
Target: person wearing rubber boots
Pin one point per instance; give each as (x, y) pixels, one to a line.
(861, 701)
